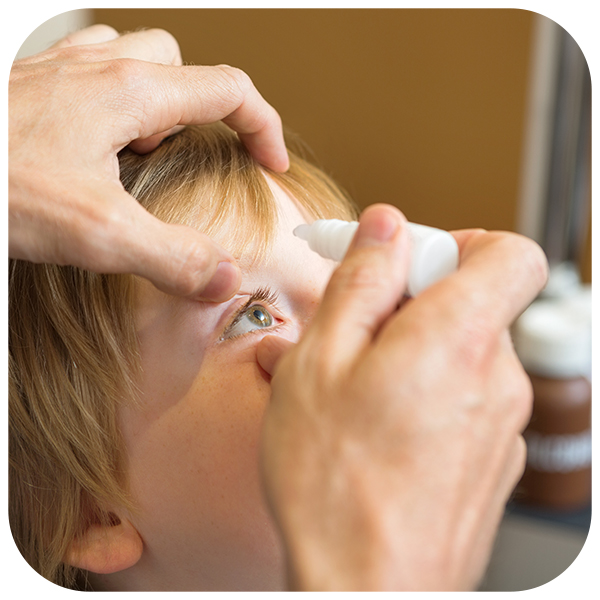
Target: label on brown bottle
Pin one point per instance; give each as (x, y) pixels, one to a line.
(559, 445)
(559, 453)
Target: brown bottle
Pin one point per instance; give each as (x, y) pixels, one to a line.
(553, 341)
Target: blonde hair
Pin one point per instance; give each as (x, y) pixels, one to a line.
(73, 354)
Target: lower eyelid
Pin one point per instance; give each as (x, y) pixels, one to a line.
(267, 330)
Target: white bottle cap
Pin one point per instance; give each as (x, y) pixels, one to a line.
(434, 252)
(553, 338)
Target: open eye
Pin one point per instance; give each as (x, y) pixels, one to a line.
(252, 318)
(259, 316)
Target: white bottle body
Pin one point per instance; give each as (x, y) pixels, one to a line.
(434, 252)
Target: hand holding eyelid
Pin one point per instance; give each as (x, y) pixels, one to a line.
(67, 205)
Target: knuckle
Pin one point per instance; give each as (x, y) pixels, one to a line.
(530, 262)
(163, 36)
(106, 30)
(69, 41)
(237, 80)
(167, 41)
(519, 459)
(519, 392)
(535, 261)
(125, 71)
(104, 219)
(520, 451)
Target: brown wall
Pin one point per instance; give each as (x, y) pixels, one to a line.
(420, 108)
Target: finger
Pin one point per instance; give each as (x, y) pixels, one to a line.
(143, 146)
(257, 123)
(95, 34)
(200, 95)
(270, 350)
(120, 236)
(516, 384)
(152, 45)
(501, 272)
(367, 286)
(181, 261)
(499, 275)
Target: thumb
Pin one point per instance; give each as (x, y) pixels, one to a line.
(270, 350)
(180, 260)
(177, 259)
(368, 285)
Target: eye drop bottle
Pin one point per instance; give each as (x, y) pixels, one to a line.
(434, 252)
(553, 341)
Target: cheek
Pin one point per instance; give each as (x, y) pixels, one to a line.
(195, 466)
(231, 400)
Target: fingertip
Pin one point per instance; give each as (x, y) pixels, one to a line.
(268, 149)
(379, 224)
(270, 350)
(281, 164)
(224, 283)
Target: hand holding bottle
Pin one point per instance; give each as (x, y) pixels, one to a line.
(393, 438)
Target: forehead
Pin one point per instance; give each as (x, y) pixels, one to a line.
(287, 265)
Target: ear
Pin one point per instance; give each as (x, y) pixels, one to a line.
(106, 549)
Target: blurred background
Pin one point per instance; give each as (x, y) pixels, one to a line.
(461, 118)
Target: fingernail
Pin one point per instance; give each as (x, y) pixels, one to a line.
(376, 228)
(224, 283)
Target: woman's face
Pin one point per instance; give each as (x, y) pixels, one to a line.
(193, 443)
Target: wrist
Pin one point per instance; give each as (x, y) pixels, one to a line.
(344, 543)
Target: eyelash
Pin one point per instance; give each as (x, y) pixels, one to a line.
(263, 295)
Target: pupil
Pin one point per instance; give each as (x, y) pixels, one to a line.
(261, 317)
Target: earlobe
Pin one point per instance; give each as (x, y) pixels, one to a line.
(105, 549)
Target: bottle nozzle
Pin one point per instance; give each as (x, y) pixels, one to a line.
(302, 231)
